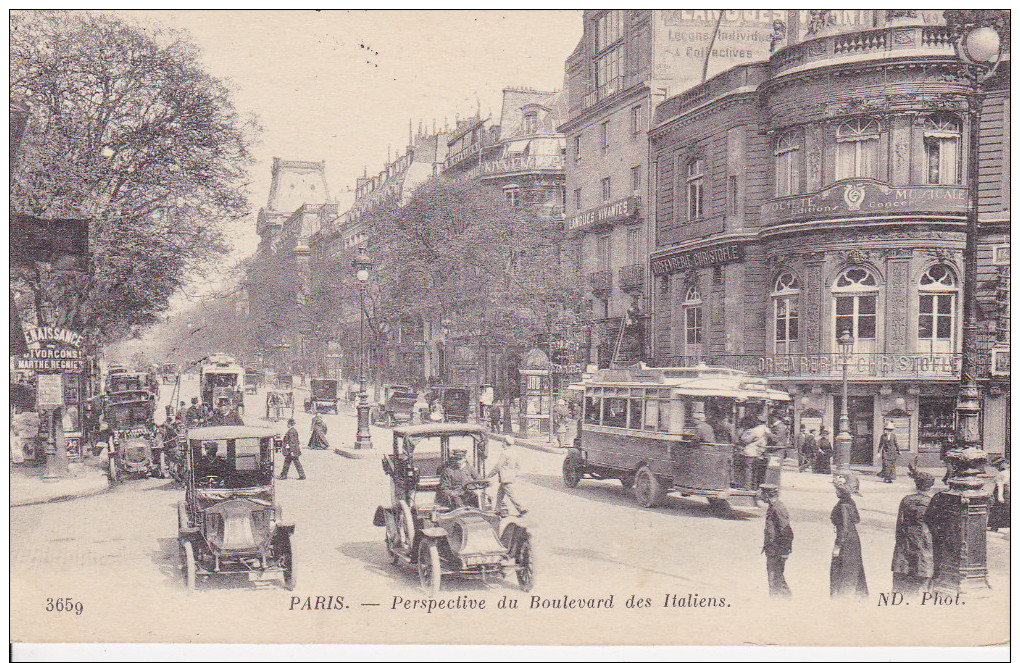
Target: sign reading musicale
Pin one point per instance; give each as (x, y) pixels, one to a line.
(863, 197)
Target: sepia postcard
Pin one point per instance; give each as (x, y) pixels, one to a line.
(606, 327)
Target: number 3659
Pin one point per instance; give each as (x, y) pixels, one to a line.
(64, 605)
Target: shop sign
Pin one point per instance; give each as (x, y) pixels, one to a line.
(866, 197)
(1000, 362)
(52, 349)
(49, 391)
(608, 213)
(892, 365)
(695, 258)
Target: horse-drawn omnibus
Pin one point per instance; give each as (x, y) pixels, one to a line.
(639, 426)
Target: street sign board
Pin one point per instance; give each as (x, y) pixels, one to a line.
(49, 391)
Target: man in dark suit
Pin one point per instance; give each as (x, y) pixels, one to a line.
(291, 451)
(778, 541)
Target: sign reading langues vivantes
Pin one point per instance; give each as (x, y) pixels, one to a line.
(52, 349)
(617, 210)
(860, 197)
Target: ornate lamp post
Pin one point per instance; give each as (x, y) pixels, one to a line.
(362, 266)
(843, 438)
(980, 49)
(961, 513)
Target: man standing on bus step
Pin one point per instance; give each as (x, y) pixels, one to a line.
(292, 451)
(778, 541)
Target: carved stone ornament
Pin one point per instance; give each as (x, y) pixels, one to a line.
(942, 255)
(857, 256)
(903, 37)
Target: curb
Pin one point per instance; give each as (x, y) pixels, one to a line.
(356, 453)
(85, 492)
(531, 444)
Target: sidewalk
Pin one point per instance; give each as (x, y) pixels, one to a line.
(84, 479)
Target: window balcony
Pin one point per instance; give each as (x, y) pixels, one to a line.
(607, 90)
(601, 282)
(893, 41)
(632, 278)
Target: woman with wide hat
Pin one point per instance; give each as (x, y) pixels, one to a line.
(846, 571)
(890, 451)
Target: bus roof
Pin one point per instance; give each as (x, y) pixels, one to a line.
(695, 381)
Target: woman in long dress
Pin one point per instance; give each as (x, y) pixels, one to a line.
(846, 572)
(913, 561)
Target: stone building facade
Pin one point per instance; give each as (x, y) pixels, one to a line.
(627, 62)
(824, 191)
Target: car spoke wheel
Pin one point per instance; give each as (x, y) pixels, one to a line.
(525, 564)
(647, 489)
(572, 471)
(190, 568)
(392, 538)
(430, 572)
(286, 555)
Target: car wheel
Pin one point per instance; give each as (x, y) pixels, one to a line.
(430, 573)
(286, 555)
(392, 538)
(647, 489)
(190, 568)
(573, 470)
(525, 564)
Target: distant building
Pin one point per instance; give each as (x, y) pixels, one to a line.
(279, 281)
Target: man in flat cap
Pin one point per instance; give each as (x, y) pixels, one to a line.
(778, 540)
(452, 480)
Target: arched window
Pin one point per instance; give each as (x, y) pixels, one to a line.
(785, 313)
(942, 149)
(788, 164)
(855, 308)
(857, 149)
(693, 326)
(936, 310)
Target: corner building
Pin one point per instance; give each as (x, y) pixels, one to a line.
(825, 191)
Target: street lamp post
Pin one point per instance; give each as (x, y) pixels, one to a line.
(843, 438)
(980, 49)
(961, 512)
(362, 265)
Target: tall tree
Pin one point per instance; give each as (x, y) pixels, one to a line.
(127, 130)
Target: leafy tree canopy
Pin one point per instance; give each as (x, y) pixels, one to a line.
(126, 129)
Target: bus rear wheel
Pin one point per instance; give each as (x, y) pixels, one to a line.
(647, 488)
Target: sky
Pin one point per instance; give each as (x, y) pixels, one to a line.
(340, 86)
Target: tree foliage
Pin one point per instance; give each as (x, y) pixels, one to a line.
(458, 254)
(127, 130)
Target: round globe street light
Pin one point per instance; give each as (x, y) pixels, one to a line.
(362, 267)
(843, 439)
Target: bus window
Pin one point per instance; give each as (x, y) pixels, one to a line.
(636, 406)
(651, 411)
(593, 408)
(614, 411)
(675, 416)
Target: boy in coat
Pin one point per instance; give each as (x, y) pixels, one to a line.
(778, 541)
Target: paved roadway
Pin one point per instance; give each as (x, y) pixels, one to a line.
(117, 554)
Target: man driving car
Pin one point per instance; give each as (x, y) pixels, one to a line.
(452, 480)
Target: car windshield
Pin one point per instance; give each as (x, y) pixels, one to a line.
(130, 416)
(241, 462)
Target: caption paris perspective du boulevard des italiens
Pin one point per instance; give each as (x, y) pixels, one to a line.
(586, 327)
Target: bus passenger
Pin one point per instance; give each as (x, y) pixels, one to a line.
(703, 433)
